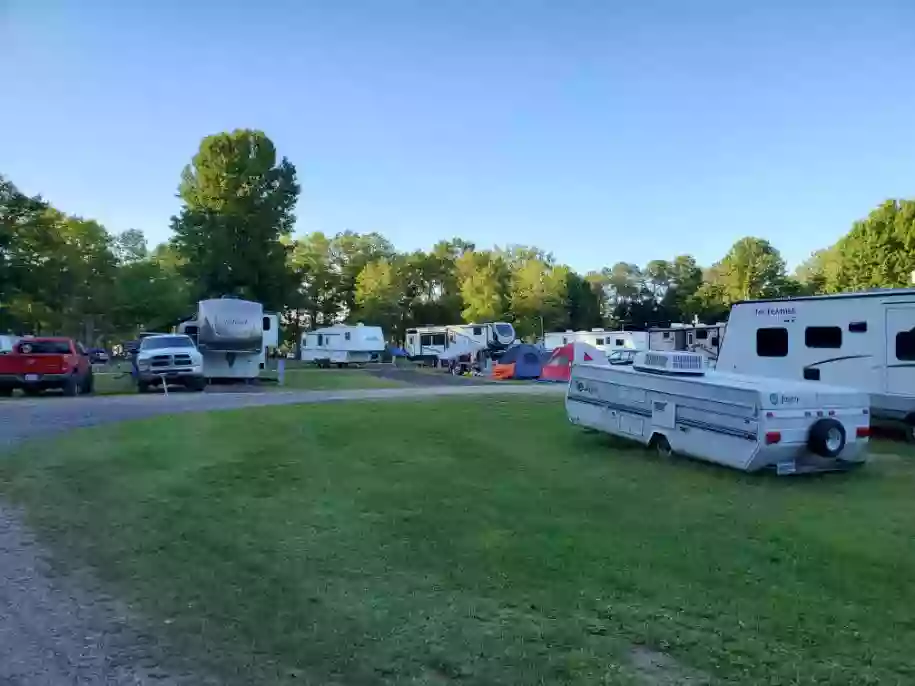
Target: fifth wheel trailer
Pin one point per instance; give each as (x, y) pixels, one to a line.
(862, 340)
(229, 333)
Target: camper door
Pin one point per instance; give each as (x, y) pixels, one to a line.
(900, 350)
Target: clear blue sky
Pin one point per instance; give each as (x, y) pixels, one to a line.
(604, 130)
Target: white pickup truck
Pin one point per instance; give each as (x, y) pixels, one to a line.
(171, 359)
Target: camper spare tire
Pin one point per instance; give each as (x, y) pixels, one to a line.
(827, 438)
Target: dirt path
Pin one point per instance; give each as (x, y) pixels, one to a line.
(61, 630)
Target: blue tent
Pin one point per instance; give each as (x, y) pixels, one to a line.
(527, 359)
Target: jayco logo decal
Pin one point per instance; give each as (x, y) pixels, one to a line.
(583, 387)
(775, 399)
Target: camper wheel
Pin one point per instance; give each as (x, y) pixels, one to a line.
(910, 428)
(827, 438)
(661, 445)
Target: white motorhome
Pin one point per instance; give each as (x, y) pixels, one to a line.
(704, 339)
(671, 402)
(229, 333)
(864, 340)
(432, 343)
(343, 344)
(607, 342)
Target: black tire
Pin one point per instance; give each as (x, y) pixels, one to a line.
(142, 387)
(339, 365)
(910, 429)
(33, 392)
(826, 438)
(661, 446)
(89, 384)
(197, 385)
(6, 392)
(72, 387)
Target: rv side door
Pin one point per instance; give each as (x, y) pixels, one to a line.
(900, 350)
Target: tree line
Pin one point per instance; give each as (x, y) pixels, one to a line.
(233, 235)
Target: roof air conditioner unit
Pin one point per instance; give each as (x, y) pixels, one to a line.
(596, 330)
(669, 362)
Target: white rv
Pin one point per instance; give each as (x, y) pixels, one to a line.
(607, 342)
(229, 333)
(863, 340)
(342, 344)
(672, 403)
(432, 343)
(704, 339)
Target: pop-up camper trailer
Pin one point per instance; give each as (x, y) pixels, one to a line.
(673, 403)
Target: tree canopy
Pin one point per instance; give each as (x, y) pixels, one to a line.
(234, 235)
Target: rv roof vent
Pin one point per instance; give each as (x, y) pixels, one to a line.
(598, 329)
(669, 362)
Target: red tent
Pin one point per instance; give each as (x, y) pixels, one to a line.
(559, 366)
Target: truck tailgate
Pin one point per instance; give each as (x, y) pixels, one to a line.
(21, 364)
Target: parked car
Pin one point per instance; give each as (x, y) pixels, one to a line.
(99, 356)
(39, 364)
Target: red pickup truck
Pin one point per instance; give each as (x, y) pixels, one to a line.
(39, 364)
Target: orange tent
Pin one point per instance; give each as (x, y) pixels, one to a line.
(559, 366)
(503, 371)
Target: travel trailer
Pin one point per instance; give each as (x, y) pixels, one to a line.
(672, 403)
(864, 340)
(343, 344)
(605, 341)
(434, 343)
(230, 334)
(704, 339)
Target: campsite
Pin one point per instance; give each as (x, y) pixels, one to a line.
(452, 343)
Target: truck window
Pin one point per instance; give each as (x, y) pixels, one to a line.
(858, 327)
(905, 345)
(266, 323)
(772, 342)
(823, 337)
(45, 348)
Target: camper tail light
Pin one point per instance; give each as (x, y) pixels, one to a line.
(863, 431)
(773, 437)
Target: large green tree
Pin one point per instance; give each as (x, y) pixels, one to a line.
(238, 203)
(484, 278)
(751, 269)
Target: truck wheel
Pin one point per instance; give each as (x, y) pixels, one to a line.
(142, 387)
(826, 438)
(89, 384)
(198, 385)
(6, 392)
(72, 386)
(32, 392)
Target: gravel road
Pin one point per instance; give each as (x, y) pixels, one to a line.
(62, 630)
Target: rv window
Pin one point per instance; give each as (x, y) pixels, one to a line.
(478, 331)
(772, 342)
(599, 341)
(438, 339)
(701, 334)
(714, 341)
(320, 339)
(346, 335)
(620, 343)
(266, 323)
(905, 345)
(564, 340)
(425, 339)
(666, 335)
(858, 327)
(823, 337)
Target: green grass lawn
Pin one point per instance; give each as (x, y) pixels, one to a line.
(479, 542)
